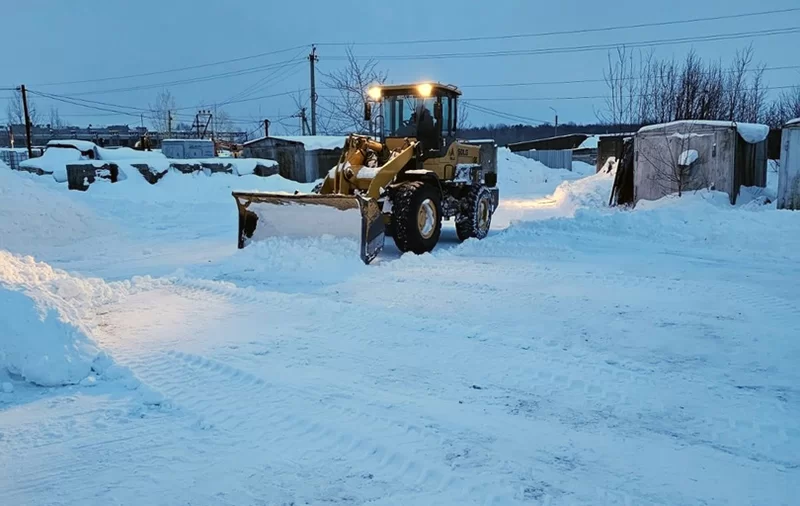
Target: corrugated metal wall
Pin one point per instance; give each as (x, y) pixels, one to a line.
(553, 158)
(12, 157)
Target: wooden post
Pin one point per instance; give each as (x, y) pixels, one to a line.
(27, 120)
(266, 128)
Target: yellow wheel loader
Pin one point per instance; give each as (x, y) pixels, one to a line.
(402, 184)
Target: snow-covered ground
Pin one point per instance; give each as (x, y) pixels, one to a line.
(579, 355)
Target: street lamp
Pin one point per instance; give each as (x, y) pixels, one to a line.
(556, 125)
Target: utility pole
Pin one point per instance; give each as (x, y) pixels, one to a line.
(169, 123)
(266, 128)
(303, 121)
(556, 132)
(27, 120)
(313, 59)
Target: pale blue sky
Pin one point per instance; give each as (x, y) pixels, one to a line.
(89, 39)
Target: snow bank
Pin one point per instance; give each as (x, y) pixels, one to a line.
(37, 213)
(750, 132)
(519, 176)
(40, 347)
(46, 322)
(583, 168)
(128, 154)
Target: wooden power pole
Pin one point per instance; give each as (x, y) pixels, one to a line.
(313, 59)
(27, 120)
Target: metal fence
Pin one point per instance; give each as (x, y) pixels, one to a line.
(12, 157)
(553, 158)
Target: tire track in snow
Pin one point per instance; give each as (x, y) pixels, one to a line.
(241, 404)
(281, 430)
(610, 387)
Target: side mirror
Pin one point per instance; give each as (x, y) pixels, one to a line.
(367, 111)
(437, 110)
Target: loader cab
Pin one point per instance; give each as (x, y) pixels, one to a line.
(426, 112)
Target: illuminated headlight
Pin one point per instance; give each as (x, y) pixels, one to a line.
(374, 93)
(425, 89)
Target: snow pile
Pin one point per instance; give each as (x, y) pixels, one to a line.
(81, 145)
(583, 168)
(128, 154)
(38, 345)
(46, 319)
(36, 213)
(176, 188)
(520, 176)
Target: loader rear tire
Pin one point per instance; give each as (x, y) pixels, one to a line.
(476, 217)
(416, 217)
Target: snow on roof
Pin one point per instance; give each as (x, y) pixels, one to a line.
(590, 142)
(81, 145)
(750, 132)
(793, 122)
(311, 142)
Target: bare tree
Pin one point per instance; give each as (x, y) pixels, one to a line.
(644, 90)
(55, 118)
(15, 112)
(784, 108)
(350, 85)
(161, 110)
(462, 117)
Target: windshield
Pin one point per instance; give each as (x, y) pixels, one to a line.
(403, 114)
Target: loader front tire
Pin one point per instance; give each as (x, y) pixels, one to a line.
(476, 217)
(416, 217)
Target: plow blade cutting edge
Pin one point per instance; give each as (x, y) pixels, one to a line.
(264, 215)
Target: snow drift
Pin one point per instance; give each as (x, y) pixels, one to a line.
(38, 345)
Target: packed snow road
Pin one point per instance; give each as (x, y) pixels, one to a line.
(576, 356)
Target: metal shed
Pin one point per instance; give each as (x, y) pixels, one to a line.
(789, 170)
(300, 158)
(692, 155)
(186, 149)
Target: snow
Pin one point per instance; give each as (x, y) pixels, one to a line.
(583, 168)
(81, 145)
(591, 142)
(37, 346)
(688, 157)
(792, 122)
(751, 132)
(123, 153)
(578, 355)
(54, 161)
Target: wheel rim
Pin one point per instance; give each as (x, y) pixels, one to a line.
(483, 214)
(426, 218)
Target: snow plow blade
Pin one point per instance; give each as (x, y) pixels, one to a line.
(264, 215)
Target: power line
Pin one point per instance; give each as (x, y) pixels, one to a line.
(181, 69)
(580, 81)
(501, 114)
(604, 29)
(595, 97)
(192, 80)
(581, 49)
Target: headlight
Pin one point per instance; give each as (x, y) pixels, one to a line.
(374, 93)
(425, 89)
